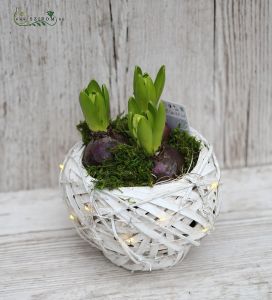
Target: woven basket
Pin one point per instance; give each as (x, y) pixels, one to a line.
(143, 228)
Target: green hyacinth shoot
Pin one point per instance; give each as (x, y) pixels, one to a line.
(94, 102)
(147, 128)
(145, 90)
(146, 114)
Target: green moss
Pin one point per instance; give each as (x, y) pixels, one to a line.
(187, 145)
(128, 167)
(120, 125)
(85, 132)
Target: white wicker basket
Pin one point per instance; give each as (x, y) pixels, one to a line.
(143, 228)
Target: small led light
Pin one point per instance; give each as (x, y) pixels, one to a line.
(61, 166)
(130, 241)
(71, 217)
(128, 238)
(87, 207)
(214, 185)
(131, 201)
(205, 229)
(163, 218)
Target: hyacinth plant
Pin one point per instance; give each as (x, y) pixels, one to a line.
(136, 149)
(145, 90)
(146, 114)
(94, 102)
(147, 128)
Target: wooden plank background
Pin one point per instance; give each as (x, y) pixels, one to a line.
(218, 60)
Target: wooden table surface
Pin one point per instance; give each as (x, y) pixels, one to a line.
(42, 257)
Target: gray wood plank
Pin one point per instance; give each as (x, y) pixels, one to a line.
(42, 71)
(41, 256)
(243, 80)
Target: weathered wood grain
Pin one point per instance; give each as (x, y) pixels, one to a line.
(41, 256)
(243, 80)
(42, 71)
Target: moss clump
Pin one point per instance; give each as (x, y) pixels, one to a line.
(120, 124)
(129, 166)
(187, 145)
(85, 132)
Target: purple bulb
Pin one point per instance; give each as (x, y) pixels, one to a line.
(168, 164)
(99, 150)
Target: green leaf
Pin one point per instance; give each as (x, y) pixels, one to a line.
(133, 106)
(84, 103)
(150, 88)
(158, 128)
(87, 108)
(93, 86)
(153, 109)
(92, 97)
(94, 121)
(135, 121)
(150, 116)
(140, 93)
(102, 114)
(150, 119)
(50, 13)
(106, 99)
(137, 71)
(144, 134)
(159, 83)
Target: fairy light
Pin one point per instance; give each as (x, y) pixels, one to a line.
(61, 166)
(131, 241)
(71, 217)
(131, 201)
(214, 185)
(205, 229)
(87, 207)
(163, 218)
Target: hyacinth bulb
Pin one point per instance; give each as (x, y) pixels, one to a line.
(168, 164)
(99, 150)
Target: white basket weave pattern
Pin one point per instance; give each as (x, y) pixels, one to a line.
(143, 228)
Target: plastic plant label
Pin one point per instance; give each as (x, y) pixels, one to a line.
(176, 116)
